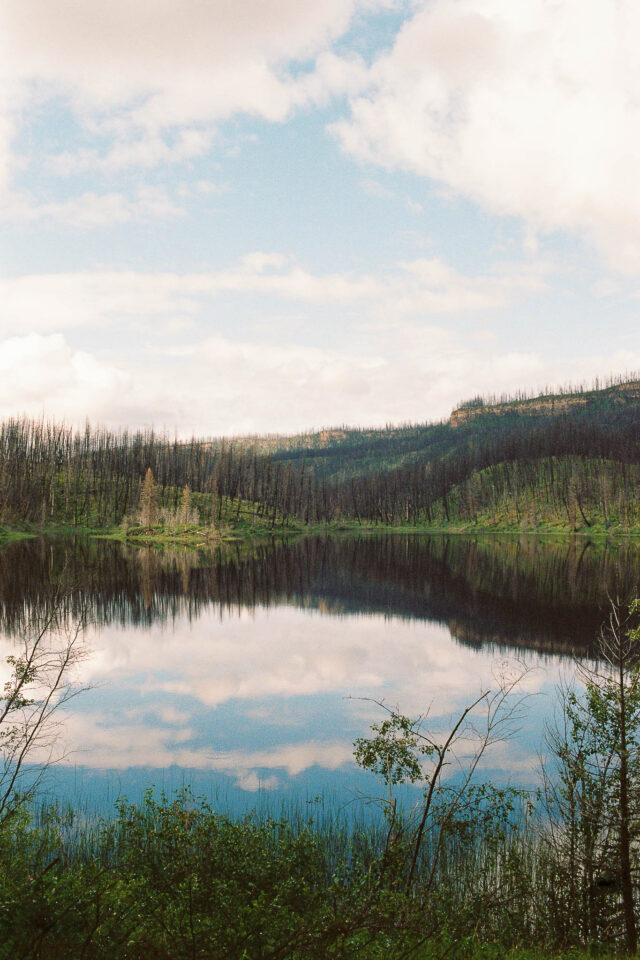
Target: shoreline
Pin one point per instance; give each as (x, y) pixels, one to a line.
(203, 537)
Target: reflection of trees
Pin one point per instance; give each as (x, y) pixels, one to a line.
(516, 592)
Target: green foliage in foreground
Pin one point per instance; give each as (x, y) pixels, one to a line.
(170, 879)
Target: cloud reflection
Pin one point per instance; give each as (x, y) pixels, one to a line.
(254, 696)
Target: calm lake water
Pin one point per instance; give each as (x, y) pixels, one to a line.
(245, 671)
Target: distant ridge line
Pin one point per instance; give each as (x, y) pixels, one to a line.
(621, 390)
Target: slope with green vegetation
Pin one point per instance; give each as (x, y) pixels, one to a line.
(347, 451)
(564, 461)
(618, 392)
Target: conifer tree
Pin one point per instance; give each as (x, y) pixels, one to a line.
(185, 512)
(149, 500)
(215, 503)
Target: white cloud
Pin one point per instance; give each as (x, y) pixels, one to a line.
(404, 361)
(262, 387)
(211, 383)
(530, 109)
(146, 83)
(89, 210)
(149, 150)
(180, 62)
(135, 72)
(408, 373)
(41, 374)
(7, 132)
(376, 189)
(428, 288)
(50, 302)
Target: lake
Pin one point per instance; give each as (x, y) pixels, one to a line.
(248, 671)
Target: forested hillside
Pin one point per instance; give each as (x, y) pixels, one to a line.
(567, 460)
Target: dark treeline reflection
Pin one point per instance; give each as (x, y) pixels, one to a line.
(513, 592)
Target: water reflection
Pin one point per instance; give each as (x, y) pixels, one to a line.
(236, 663)
(518, 593)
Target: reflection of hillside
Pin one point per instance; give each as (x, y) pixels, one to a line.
(544, 643)
(513, 592)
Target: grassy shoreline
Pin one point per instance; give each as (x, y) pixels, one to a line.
(10, 534)
(199, 536)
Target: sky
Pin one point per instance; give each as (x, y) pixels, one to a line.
(277, 215)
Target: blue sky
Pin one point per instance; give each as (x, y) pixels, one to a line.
(274, 215)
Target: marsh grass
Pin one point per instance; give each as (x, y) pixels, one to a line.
(172, 877)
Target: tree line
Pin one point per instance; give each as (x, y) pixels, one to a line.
(580, 464)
